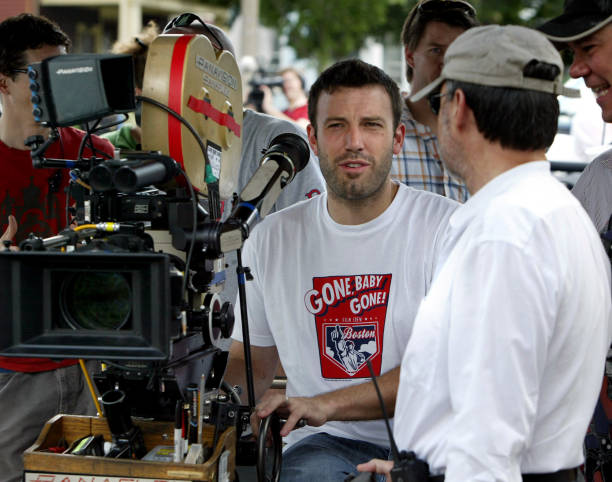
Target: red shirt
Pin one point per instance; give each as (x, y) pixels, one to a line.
(297, 113)
(37, 199)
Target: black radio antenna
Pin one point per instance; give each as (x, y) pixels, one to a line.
(394, 452)
(406, 465)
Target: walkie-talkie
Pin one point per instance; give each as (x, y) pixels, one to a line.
(406, 466)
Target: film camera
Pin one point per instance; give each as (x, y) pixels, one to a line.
(255, 97)
(137, 282)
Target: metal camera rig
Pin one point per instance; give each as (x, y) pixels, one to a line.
(136, 278)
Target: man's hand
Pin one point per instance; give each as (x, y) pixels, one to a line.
(11, 231)
(313, 410)
(267, 103)
(377, 466)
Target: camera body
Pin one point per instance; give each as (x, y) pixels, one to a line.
(255, 97)
(137, 281)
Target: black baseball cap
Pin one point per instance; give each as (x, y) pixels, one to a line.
(579, 19)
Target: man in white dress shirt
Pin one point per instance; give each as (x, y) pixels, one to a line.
(502, 371)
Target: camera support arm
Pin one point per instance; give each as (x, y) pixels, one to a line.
(244, 275)
(39, 145)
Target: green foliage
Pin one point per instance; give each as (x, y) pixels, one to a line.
(328, 30)
(325, 30)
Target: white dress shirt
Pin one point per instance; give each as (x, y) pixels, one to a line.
(506, 358)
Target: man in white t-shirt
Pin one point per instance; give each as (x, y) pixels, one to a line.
(338, 279)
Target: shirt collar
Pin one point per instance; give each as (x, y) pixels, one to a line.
(496, 186)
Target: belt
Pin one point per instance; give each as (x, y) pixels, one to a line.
(566, 475)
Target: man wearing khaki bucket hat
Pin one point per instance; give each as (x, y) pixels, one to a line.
(502, 371)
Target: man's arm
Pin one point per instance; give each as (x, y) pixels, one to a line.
(270, 109)
(357, 402)
(264, 362)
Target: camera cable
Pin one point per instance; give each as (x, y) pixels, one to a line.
(212, 184)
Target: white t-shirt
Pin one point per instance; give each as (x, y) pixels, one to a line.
(330, 296)
(507, 353)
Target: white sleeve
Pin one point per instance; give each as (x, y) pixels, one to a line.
(259, 330)
(501, 323)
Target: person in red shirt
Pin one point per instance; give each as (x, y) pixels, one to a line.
(294, 89)
(32, 390)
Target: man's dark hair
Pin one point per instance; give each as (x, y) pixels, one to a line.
(518, 119)
(23, 32)
(353, 73)
(417, 20)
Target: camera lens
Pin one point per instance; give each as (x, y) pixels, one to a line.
(96, 301)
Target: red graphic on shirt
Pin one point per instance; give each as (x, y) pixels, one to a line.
(350, 313)
(312, 193)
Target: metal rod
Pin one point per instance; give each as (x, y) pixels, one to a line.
(245, 330)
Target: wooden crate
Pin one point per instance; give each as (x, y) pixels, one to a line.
(42, 465)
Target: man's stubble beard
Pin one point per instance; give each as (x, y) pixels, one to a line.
(451, 150)
(356, 188)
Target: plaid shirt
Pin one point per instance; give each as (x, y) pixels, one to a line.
(419, 165)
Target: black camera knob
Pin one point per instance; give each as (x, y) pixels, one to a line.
(224, 320)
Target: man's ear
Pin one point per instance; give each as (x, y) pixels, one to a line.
(461, 113)
(409, 56)
(398, 138)
(312, 139)
(4, 80)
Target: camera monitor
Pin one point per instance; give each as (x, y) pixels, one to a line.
(90, 305)
(70, 89)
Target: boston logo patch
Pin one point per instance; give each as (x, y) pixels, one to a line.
(350, 313)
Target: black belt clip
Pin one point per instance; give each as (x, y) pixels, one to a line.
(409, 468)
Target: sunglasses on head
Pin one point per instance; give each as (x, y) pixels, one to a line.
(428, 8)
(185, 20)
(436, 6)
